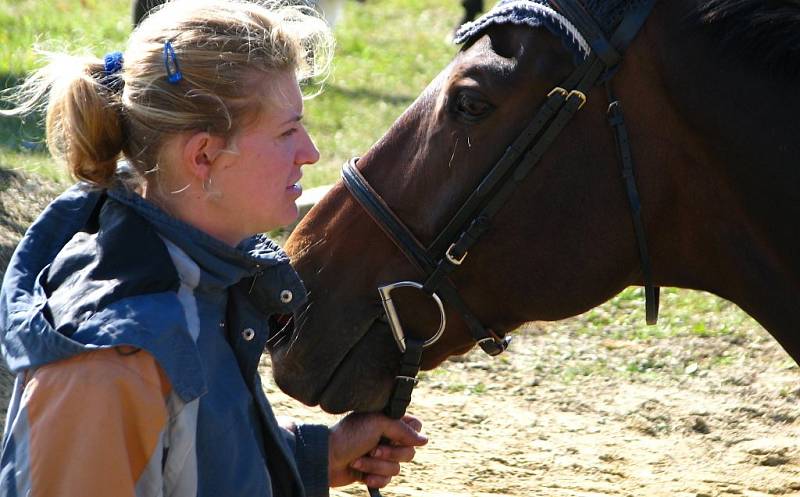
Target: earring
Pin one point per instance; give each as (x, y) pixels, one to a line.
(208, 188)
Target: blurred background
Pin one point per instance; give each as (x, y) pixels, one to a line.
(387, 52)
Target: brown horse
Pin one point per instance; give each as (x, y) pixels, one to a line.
(711, 106)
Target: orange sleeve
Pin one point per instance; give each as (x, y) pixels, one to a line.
(95, 422)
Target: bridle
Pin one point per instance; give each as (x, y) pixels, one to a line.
(450, 248)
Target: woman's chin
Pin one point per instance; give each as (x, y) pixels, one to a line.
(291, 215)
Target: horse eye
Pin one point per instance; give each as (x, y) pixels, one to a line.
(470, 107)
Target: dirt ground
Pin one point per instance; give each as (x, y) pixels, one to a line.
(22, 197)
(529, 425)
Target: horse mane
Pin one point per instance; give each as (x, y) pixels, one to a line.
(767, 32)
(608, 13)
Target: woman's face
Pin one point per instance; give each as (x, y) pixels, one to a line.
(257, 178)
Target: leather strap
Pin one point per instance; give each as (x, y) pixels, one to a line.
(450, 247)
(577, 14)
(384, 217)
(617, 122)
(404, 385)
(402, 237)
(406, 379)
(510, 160)
(631, 24)
(500, 183)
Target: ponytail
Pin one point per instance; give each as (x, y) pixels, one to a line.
(83, 114)
(224, 48)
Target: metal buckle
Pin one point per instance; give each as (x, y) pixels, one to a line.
(410, 379)
(501, 345)
(498, 347)
(580, 95)
(452, 259)
(394, 319)
(564, 93)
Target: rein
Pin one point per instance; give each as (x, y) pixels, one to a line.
(451, 247)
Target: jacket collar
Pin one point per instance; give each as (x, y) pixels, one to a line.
(221, 264)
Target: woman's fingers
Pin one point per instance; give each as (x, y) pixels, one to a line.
(358, 434)
(392, 453)
(371, 466)
(374, 481)
(383, 462)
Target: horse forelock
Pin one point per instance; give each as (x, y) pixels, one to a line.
(766, 32)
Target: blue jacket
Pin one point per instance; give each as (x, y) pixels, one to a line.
(135, 340)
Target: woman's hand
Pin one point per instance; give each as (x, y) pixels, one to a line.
(355, 453)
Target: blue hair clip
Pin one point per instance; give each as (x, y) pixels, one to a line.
(112, 65)
(174, 75)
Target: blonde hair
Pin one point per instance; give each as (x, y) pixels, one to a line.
(222, 47)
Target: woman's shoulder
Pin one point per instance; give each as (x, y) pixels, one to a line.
(115, 256)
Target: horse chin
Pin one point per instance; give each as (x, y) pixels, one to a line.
(358, 379)
(364, 379)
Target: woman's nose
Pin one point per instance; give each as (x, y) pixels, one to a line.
(308, 152)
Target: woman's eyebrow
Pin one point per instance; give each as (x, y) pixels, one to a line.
(294, 119)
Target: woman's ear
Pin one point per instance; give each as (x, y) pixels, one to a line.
(200, 151)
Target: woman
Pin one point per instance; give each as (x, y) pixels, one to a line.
(135, 310)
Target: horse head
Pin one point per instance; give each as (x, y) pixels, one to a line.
(563, 243)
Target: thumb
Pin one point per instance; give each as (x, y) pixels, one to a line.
(413, 422)
(401, 433)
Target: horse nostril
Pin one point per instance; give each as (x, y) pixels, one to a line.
(281, 327)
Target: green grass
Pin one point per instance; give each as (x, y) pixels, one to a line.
(96, 26)
(683, 313)
(387, 52)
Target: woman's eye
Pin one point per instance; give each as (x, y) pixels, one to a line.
(289, 132)
(470, 107)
